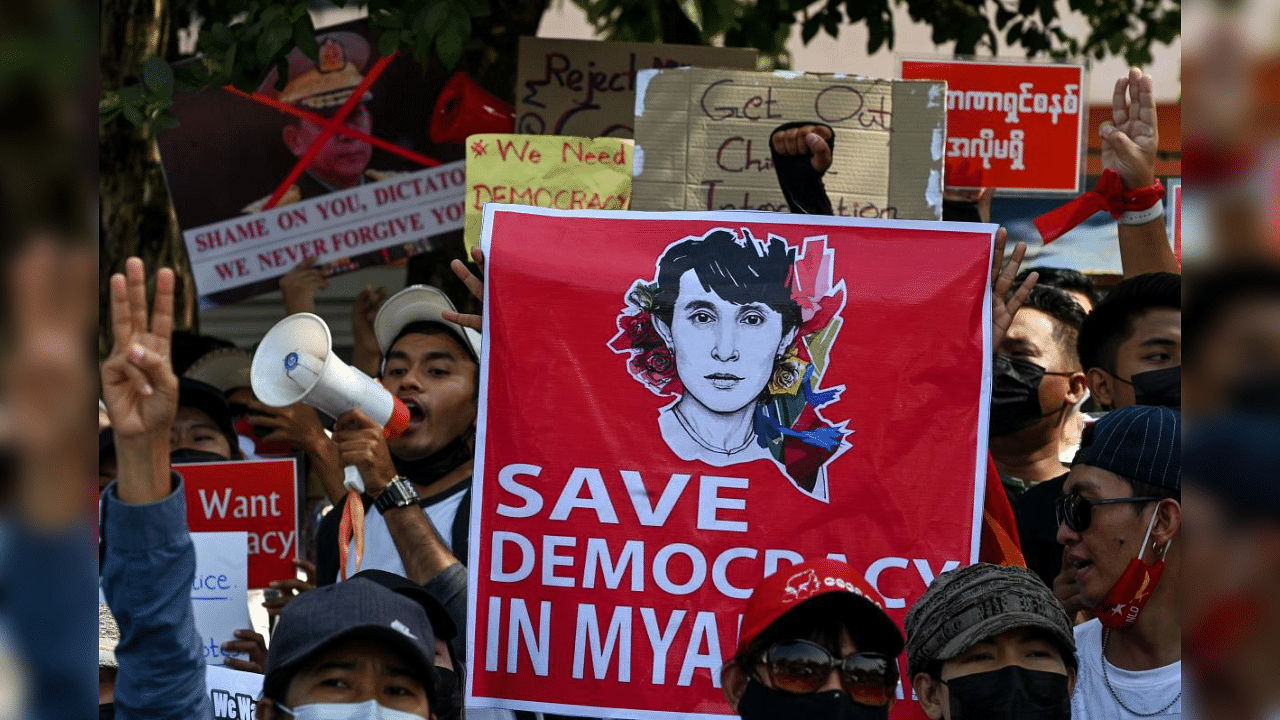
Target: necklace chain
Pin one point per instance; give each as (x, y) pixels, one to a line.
(688, 427)
(1106, 635)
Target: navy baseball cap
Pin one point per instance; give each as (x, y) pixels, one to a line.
(317, 619)
(1139, 442)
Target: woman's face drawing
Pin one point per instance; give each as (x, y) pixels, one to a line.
(724, 352)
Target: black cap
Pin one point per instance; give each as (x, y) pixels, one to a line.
(361, 608)
(439, 617)
(210, 400)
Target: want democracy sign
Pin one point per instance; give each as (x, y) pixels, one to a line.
(570, 173)
(689, 402)
(261, 497)
(1014, 126)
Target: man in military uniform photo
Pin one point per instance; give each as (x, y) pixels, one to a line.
(323, 88)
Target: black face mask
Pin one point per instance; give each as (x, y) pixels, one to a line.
(1010, 693)
(448, 702)
(427, 470)
(107, 711)
(762, 703)
(1158, 387)
(189, 455)
(1015, 394)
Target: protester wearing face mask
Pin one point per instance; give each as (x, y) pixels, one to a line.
(815, 643)
(1131, 344)
(1036, 389)
(987, 642)
(1119, 518)
(352, 651)
(1231, 612)
(449, 668)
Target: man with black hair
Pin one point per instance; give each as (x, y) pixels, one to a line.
(1234, 343)
(1036, 390)
(1075, 283)
(1120, 517)
(1131, 344)
(990, 642)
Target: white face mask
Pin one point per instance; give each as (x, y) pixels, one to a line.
(368, 710)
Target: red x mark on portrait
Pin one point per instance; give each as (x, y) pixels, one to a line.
(330, 126)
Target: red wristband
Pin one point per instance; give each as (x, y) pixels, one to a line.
(1109, 195)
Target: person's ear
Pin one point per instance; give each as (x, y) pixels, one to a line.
(1071, 681)
(787, 339)
(733, 682)
(266, 710)
(293, 139)
(1077, 385)
(1168, 521)
(929, 691)
(1100, 385)
(664, 330)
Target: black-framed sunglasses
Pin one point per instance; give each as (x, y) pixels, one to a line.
(801, 667)
(1076, 511)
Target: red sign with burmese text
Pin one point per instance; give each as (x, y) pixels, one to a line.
(1013, 126)
(676, 405)
(260, 497)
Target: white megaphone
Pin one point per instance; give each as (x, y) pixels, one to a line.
(295, 363)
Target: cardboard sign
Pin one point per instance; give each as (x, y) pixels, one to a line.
(588, 88)
(260, 497)
(551, 171)
(702, 141)
(220, 591)
(233, 693)
(638, 473)
(1014, 126)
(1174, 216)
(340, 165)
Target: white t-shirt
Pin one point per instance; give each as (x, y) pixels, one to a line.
(1145, 691)
(380, 551)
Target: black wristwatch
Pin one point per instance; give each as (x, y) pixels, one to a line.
(398, 493)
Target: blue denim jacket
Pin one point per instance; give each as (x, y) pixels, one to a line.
(147, 573)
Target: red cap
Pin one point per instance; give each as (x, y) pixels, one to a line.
(399, 421)
(789, 587)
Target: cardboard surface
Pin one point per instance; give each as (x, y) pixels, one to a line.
(587, 88)
(552, 171)
(1014, 126)
(702, 141)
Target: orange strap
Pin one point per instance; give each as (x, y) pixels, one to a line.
(352, 524)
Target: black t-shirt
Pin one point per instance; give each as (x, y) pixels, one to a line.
(1038, 528)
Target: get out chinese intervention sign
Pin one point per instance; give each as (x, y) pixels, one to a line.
(1014, 126)
(588, 88)
(677, 405)
(702, 141)
(553, 171)
(260, 497)
(338, 165)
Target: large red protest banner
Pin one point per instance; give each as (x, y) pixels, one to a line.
(1014, 126)
(257, 496)
(676, 405)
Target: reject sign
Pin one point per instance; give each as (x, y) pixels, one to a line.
(257, 496)
(551, 171)
(220, 591)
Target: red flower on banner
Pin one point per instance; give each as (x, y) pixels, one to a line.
(651, 361)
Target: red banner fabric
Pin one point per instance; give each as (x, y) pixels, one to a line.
(1014, 126)
(676, 405)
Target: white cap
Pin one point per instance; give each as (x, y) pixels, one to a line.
(419, 303)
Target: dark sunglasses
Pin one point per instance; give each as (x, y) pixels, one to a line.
(801, 667)
(1076, 511)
